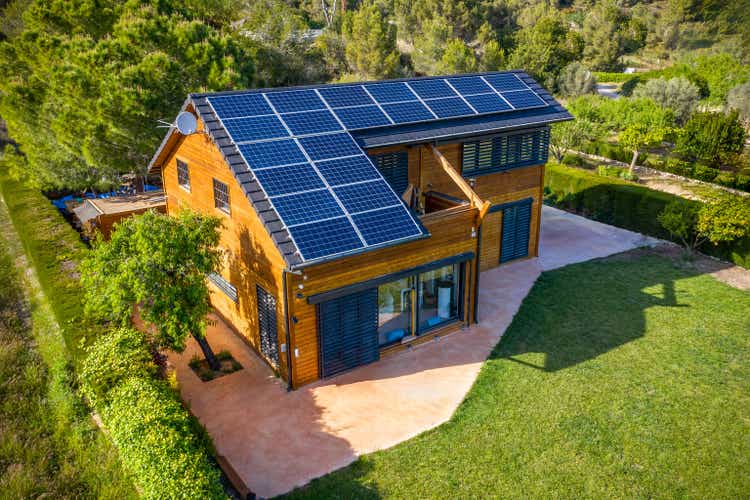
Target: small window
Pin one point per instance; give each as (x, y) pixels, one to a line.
(221, 196)
(183, 175)
(223, 285)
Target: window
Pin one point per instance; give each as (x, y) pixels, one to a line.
(438, 301)
(438, 296)
(221, 196)
(505, 152)
(183, 175)
(223, 285)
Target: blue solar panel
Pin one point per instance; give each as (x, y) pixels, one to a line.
(469, 85)
(362, 117)
(505, 81)
(325, 238)
(524, 99)
(405, 112)
(429, 89)
(388, 224)
(348, 170)
(289, 179)
(323, 147)
(236, 105)
(254, 128)
(307, 207)
(452, 106)
(390, 92)
(487, 103)
(366, 196)
(338, 97)
(272, 153)
(311, 122)
(295, 100)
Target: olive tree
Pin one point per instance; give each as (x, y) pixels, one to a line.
(678, 94)
(157, 264)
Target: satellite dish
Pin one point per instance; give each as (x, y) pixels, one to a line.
(186, 123)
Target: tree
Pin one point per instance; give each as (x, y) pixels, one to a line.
(724, 218)
(570, 135)
(493, 57)
(739, 100)
(603, 35)
(576, 80)
(457, 58)
(429, 45)
(712, 137)
(677, 94)
(545, 47)
(371, 42)
(85, 82)
(637, 136)
(157, 264)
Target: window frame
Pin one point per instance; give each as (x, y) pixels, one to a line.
(180, 165)
(222, 205)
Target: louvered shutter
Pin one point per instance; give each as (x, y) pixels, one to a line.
(348, 331)
(269, 343)
(516, 228)
(395, 168)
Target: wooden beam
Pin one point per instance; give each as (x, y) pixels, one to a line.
(474, 199)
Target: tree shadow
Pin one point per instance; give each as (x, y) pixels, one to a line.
(569, 324)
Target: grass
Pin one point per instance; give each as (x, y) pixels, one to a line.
(624, 377)
(49, 446)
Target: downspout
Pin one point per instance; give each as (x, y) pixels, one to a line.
(476, 272)
(287, 329)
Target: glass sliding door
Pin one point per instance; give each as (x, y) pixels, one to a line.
(395, 311)
(438, 296)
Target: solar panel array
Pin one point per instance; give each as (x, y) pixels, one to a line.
(327, 192)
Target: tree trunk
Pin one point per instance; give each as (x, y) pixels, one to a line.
(632, 163)
(208, 353)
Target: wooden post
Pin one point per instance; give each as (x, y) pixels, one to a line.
(474, 199)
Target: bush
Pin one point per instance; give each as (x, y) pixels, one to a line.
(712, 137)
(120, 354)
(625, 205)
(704, 173)
(610, 77)
(616, 172)
(726, 179)
(159, 442)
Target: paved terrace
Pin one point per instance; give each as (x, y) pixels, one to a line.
(277, 440)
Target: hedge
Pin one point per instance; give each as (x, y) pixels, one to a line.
(156, 436)
(624, 204)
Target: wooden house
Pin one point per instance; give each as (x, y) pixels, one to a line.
(101, 214)
(357, 217)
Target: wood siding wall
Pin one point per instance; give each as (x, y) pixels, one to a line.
(251, 257)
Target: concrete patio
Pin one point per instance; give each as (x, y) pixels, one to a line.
(276, 440)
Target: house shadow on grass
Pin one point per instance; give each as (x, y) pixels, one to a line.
(578, 313)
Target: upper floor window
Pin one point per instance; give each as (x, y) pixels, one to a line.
(221, 196)
(183, 174)
(505, 152)
(394, 167)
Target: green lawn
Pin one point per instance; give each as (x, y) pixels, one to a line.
(625, 377)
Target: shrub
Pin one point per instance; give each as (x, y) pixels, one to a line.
(626, 205)
(712, 137)
(678, 94)
(120, 354)
(679, 218)
(704, 173)
(575, 79)
(726, 179)
(159, 442)
(739, 99)
(679, 167)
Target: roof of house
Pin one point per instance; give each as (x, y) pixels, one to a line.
(95, 207)
(298, 152)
